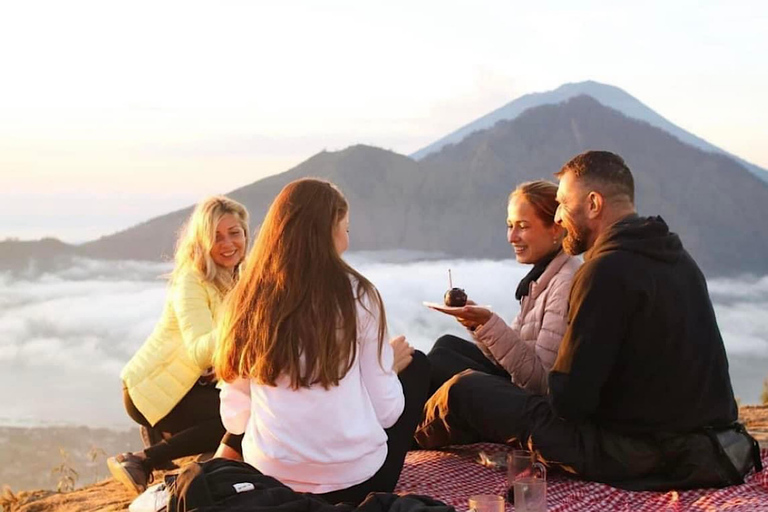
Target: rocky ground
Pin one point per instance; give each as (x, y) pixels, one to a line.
(109, 495)
(755, 417)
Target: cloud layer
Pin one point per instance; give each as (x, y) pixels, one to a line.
(64, 337)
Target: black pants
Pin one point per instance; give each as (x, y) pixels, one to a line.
(194, 425)
(475, 406)
(451, 355)
(415, 381)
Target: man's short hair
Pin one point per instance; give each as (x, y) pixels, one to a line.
(604, 171)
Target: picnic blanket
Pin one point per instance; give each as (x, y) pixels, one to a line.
(455, 474)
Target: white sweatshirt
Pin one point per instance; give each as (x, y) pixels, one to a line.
(318, 440)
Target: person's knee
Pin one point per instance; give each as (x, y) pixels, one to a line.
(462, 386)
(466, 378)
(447, 342)
(446, 411)
(420, 361)
(416, 376)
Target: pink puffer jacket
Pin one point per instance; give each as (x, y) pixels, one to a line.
(527, 349)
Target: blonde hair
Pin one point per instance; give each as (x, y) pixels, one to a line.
(293, 313)
(198, 236)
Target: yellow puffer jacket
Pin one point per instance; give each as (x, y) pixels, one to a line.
(178, 351)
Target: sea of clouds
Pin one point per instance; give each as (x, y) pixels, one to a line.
(65, 335)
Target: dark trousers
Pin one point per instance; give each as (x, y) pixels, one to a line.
(474, 406)
(451, 355)
(194, 425)
(415, 381)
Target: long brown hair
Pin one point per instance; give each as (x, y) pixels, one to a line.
(293, 312)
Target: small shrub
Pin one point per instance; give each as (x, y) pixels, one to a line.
(94, 454)
(67, 474)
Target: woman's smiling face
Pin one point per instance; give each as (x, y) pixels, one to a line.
(229, 246)
(530, 237)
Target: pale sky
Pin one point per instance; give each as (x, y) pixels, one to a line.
(114, 112)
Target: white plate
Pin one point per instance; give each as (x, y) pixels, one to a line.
(450, 309)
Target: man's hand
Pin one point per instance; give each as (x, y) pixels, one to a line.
(403, 353)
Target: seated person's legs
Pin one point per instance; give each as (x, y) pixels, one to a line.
(451, 355)
(151, 436)
(194, 426)
(474, 406)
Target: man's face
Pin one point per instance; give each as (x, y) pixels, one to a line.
(571, 215)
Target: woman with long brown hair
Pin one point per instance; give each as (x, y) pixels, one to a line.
(326, 405)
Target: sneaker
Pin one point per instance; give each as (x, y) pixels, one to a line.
(154, 499)
(129, 470)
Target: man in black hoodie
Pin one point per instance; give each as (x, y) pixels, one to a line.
(640, 395)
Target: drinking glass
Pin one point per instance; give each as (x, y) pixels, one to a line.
(486, 503)
(530, 494)
(522, 464)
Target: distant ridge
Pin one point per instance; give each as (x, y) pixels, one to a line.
(361, 171)
(34, 256)
(607, 95)
(453, 201)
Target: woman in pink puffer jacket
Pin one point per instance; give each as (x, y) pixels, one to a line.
(524, 351)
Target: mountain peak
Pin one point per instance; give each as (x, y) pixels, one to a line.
(605, 94)
(354, 159)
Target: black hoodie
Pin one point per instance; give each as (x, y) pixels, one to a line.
(642, 352)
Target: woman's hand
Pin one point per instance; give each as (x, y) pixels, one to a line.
(472, 316)
(403, 353)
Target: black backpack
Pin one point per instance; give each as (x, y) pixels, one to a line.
(221, 484)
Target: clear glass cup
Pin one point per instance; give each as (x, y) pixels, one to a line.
(486, 503)
(530, 494)
(522, 464)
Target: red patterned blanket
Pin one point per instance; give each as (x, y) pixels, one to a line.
(452, 476)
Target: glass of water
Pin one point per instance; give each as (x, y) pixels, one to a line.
(530, 494)
(522, 464)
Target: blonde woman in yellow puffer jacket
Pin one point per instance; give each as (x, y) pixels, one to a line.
(168, 384)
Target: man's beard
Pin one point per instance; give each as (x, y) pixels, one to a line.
(575, 241)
